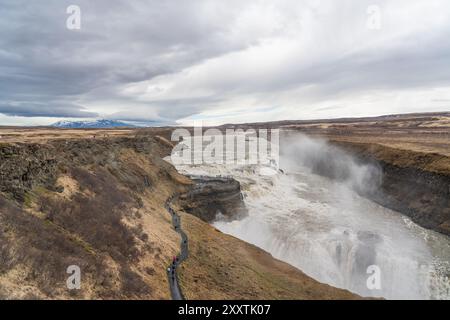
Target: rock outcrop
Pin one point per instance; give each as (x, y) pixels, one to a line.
(23, 166)
(212, 196)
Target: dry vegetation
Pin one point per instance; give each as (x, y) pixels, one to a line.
(108, 219)
(43, 135)
(422, 133)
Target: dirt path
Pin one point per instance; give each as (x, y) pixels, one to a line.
(172, 269)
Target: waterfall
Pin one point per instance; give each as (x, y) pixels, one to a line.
(330, 232)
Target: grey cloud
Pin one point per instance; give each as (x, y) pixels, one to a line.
(423, 61)
(119, 43)
(52, 110)
(167, 110)
(47, 70)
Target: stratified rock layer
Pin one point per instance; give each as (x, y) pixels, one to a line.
(212, 196)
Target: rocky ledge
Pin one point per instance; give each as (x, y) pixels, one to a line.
(212, 196)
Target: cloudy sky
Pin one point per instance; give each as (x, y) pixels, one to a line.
(222, 61)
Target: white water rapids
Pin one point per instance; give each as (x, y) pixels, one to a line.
(331, 233)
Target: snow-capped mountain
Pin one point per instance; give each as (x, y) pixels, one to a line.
(91, 124)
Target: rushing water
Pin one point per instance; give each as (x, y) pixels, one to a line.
(332, 234)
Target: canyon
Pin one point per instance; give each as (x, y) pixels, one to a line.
(99, 204)
(341, 204)
(67, 198)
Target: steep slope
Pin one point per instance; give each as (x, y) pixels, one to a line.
(98, 205)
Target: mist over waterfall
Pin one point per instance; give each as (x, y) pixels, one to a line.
(300, 153)
(313, 214)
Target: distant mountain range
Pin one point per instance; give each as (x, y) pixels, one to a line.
(91, 124)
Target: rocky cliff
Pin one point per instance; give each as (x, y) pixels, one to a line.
(212, 196)
(413, 183)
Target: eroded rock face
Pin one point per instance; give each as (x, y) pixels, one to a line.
(422, 196)
(408, 186)
(211, 196)
(24, 166)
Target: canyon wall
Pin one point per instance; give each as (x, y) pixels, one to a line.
(212, 196)
(413, 183)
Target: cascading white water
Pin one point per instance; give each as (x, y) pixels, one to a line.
(330, 232)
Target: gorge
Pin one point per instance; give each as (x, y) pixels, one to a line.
(327, 212)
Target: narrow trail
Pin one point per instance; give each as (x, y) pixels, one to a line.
(175, 289)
